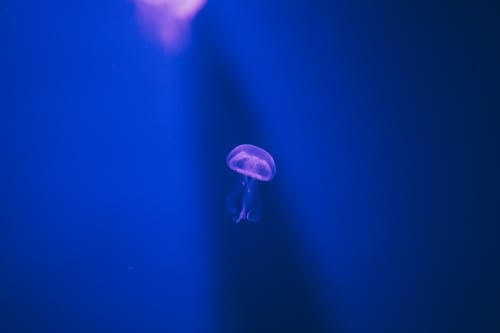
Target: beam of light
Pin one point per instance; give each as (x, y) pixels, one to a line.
(289, 85)
(168, 20)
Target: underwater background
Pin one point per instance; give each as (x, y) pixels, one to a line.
(379, 116)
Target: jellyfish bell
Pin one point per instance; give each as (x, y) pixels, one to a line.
(253, 164)
(252, 161)
(168, 20)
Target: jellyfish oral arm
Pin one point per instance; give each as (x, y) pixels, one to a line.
(246, 210)
(243, 202)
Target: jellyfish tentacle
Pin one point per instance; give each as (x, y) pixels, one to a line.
(250, 203)
(247, 197)
(243, 201)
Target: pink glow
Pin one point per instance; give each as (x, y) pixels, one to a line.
(168, 20)
(252, 161)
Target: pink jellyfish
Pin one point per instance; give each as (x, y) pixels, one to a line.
(168, 20)
(253, 164)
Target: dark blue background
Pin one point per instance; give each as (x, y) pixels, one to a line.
(381, 119)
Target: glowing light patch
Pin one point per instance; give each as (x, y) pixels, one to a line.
(168, 20)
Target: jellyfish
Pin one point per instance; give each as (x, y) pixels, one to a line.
(168, 20)
(253, 164)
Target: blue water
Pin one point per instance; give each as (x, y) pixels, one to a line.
(114, 177)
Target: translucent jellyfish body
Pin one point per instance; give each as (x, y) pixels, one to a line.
(253, 164)
(168, 20)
